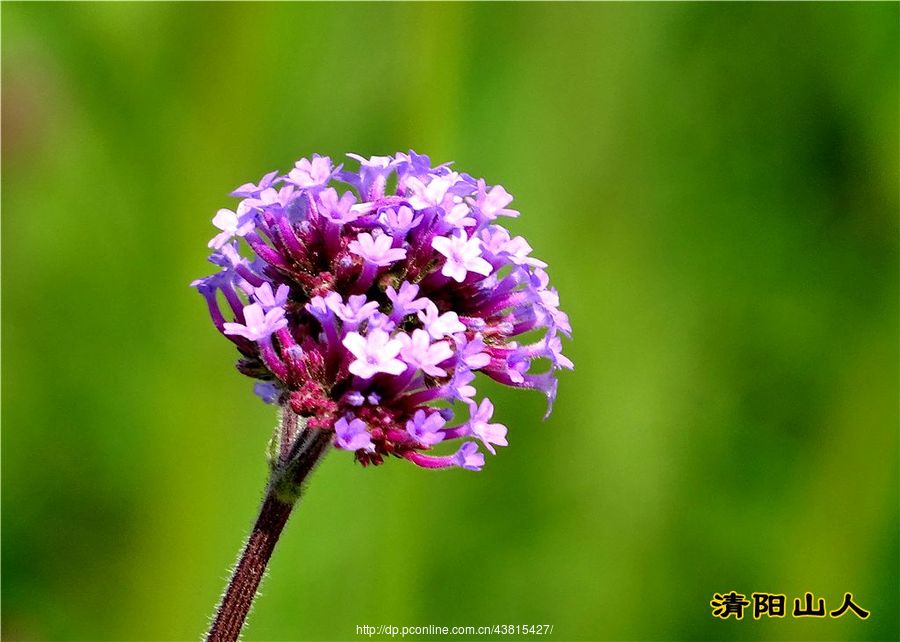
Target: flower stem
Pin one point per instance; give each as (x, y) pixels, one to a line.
(249, 570)
(283, 491)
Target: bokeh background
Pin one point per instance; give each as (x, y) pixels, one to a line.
(715, 188)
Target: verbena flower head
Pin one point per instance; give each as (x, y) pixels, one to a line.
(366, 301)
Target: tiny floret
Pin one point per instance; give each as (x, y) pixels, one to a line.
(376, 352)
(310, 173)
(376, 250)
(426, 428)
(352, 435)
(338, 210)
(419, 352)
(231, 224)
(489, 434)
(440, 325)
(367, 300)
(269, 299)
(258, 325)
(468, 457)
(463, 256)
(405, 300)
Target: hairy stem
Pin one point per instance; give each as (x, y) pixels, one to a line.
(289, 471)
(249, 570)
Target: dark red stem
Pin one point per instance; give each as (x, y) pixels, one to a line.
(288, 475)
(249, 570)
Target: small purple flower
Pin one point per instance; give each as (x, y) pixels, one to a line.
(558, 359)
(355, 311)
(519, 250)
(431, 194)
(376, 250)
(373, 165)
(459, 215)
(493, 203)
(232, 224)
(419, 352)
(399, 221)
(322, 308)
(376, 352)
(312, 173)
(440, 325)
(472, 353)
(404, 301)
(459, 387)
(337, 209)
(413, 164)
(463, 256)
(381, 321)
(373, 173)
(268, 299)
(251, 190)
(266, 391)
(270, 197)
(426, 428)
(258, 325)
(488, 433)
(468, 456)
(227, 256)
(497, 241)
(355, 398)
(352, 435)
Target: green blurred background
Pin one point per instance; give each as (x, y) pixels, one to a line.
(715, 188)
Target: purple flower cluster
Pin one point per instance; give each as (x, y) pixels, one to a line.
(373, 297)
